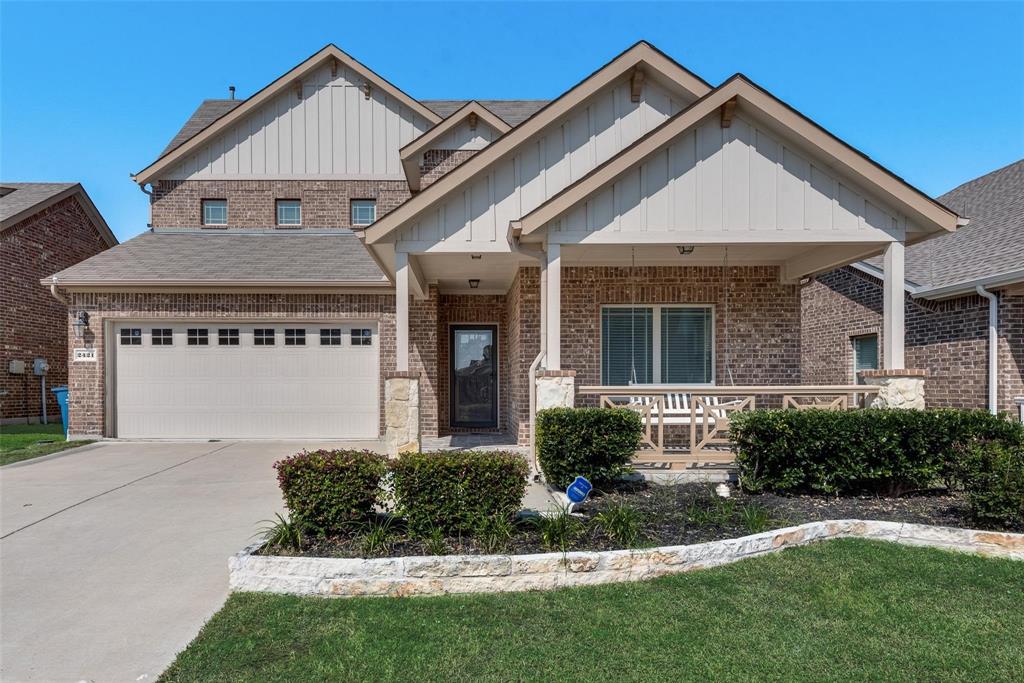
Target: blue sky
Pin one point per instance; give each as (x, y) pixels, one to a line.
(93, 91)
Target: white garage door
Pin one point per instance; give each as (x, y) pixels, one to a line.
(192, 380)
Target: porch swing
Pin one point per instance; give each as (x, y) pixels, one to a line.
(674, 407)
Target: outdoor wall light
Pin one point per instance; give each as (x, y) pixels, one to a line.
(684, 249)
(81, 324)
(474, 283)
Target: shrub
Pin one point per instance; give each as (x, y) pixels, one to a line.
(453, 490)
(596, 443)
(282, 532)
(622, 523)
(325, 490)
(992, 475)
(881, 451)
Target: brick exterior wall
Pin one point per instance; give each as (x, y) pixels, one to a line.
(437, 162)
(251, 203)
(33, 322)
(757, 322)
(948, 339)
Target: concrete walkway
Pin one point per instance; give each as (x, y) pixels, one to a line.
(113, 556)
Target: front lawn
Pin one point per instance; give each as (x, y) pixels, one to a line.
(21, 442)
(842, 610)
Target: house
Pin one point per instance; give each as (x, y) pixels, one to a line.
(331, 257)
(963, 299)
(44, 227)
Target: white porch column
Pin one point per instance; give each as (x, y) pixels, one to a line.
(554, 307)
(892, 308)
(401, 311)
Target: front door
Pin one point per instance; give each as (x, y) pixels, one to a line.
(474, 376)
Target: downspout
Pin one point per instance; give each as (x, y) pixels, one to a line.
(993, 348)
(56, 293)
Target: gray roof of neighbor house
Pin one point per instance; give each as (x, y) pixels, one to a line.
(992, 242)
(227, 257)
(512, 112)
(19, 201)
(18, 197)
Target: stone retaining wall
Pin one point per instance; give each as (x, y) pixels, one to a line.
(435, 575)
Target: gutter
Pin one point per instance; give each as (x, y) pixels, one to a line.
(55, 292)
(993, 348)
(971, 286)
(225, 284)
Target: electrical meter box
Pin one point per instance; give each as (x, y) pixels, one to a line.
(40, 366)
(16, 367)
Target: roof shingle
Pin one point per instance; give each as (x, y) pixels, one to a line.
(990, 244)
(230, 256)
(26, 195)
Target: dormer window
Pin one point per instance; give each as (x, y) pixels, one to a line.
(289, 212)
(215, 212)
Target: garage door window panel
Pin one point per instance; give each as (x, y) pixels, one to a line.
(131, 336)
(263, 336)
(294, 337)
(362, 337)
(227, 337)
(330, 337)
(162, 336)
(198, 336)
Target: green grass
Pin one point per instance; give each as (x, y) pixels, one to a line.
(21, 442)
(846, 610)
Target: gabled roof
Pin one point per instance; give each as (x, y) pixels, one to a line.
(230, 258)
(992, 244)
(205, 114)
(19, 201)
(641, 52)
(740, 89)
(512, 112)
(249, 105)
(410, 154)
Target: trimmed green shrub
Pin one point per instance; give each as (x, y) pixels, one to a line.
(880, 451)
(455, 490)
(596, 443)
(992, 475)
(325, 490)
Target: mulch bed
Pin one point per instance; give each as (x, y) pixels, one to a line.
(682, 514)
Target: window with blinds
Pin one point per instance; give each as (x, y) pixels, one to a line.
(865, 355)
(657, 345)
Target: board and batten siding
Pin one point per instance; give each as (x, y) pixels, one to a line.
(333, 131)
(544, 165)
(741, 178)
(463, 137)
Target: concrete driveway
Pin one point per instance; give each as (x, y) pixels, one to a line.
(113, 556)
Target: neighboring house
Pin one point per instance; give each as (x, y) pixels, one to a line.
(333, 258)
(948, 318)
(44, 227)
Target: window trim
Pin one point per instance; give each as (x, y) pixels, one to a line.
(261, 340)
(330, 338)
(363, 340)
(296, 339)
(277, 213)
(352, 206)
(165, 339)
(131, 339)
(201, 336)
(202, 212)
(225, 338)
(656, 341)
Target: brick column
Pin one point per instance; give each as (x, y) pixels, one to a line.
(556, 389)
(401, 412)
(897, 388)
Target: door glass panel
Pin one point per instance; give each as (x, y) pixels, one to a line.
(474, 378)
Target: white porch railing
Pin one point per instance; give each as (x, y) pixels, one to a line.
(705, 411)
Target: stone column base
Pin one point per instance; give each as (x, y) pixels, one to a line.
(897, 388)
(401, 412)
(556, 389)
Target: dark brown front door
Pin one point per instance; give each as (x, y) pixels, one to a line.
(473, 357)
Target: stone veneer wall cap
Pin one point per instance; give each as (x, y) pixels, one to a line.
(402, 374)
(894, 373)
(556, 373)
(443, 574)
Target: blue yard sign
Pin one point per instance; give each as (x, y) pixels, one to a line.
(578, 490)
